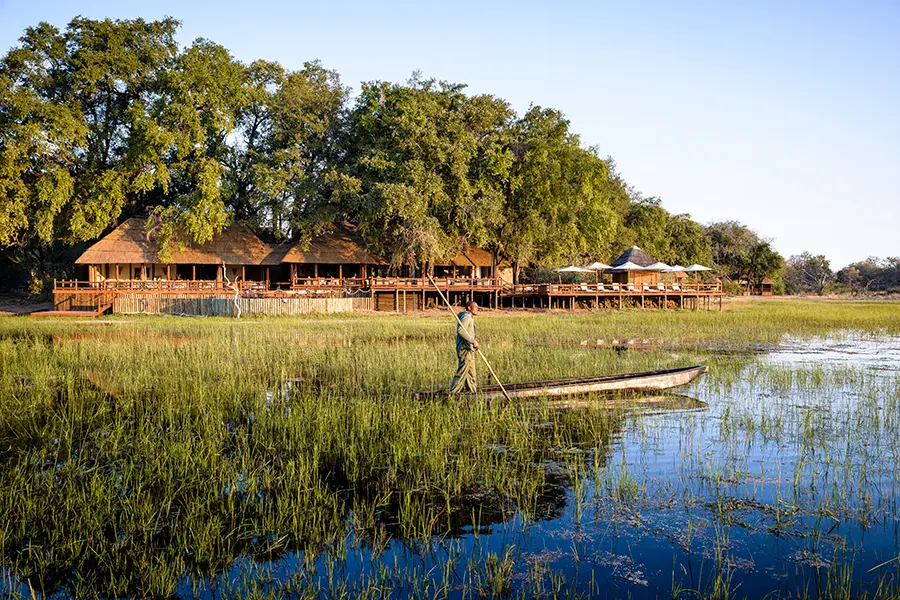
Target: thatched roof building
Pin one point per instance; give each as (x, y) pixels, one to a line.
(129, 243)
(341, 245)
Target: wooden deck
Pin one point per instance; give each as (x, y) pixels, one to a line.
(614, 295)
(399, 294)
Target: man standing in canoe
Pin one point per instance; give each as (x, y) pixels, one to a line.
(466, 346)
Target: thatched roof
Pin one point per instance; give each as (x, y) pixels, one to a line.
(635, 255)
(472, 257)
(477, 257)
(342, 245)
(130, 243)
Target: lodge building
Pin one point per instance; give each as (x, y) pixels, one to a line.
(332, 272)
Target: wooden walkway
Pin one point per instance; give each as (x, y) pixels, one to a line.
(73, 313)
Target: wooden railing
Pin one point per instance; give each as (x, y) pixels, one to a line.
(175, 285)
(614, 289)
(381, 283)
(336, 286)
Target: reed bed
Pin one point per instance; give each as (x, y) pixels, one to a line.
(177, 457)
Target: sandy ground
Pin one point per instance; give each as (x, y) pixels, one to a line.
(21, 304)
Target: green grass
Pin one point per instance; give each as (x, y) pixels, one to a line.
(137, 451)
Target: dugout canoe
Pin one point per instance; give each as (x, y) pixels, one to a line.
(627, 382)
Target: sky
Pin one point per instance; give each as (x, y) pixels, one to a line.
(784, 116)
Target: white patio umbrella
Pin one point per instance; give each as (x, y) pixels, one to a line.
(571, 269)
(675, 269)
(695, 267)
(658, 266)
(626, 266)
(596, 267)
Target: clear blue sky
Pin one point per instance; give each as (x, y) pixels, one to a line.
(782, 115)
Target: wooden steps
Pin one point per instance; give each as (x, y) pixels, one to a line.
(73, 313)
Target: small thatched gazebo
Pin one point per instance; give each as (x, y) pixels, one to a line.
(622, 269)
(129, 253)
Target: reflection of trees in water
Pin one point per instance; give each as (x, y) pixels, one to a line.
(261, 524)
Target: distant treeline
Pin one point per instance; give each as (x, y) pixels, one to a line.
(110, 119)
(810, 274)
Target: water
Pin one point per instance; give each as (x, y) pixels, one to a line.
(783, 482)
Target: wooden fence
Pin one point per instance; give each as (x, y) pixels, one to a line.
(224, 305)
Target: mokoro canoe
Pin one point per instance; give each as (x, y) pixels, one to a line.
(627, 382)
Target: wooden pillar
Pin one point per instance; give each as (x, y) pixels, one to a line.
(404, 300)
(117, 271)
(193, 272)
(665, 301)
(169, 272)
(341, 273)
(396, 299)
(268, 275)
(315, 269)
(642, 301)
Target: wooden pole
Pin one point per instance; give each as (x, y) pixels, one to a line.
(483, 357)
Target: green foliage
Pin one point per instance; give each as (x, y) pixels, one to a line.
(672, 239)
(740, 254)
(429, 164)
(807, 274)
(562, 202)
(872, 275)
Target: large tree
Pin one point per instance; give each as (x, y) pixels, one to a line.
(78, 141)
(108, 119)
(668, 238)
(807, 273)
(282, 163)
(410, 154)
(561, 201)
(740, 254)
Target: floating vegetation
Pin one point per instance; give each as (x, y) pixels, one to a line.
(214, 458)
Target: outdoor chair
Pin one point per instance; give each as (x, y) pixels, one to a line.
(630, 288)
(676, 287)
(601, 287)
(585, 288)
(660, 287)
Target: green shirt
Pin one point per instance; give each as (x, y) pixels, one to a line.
(465, 331)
